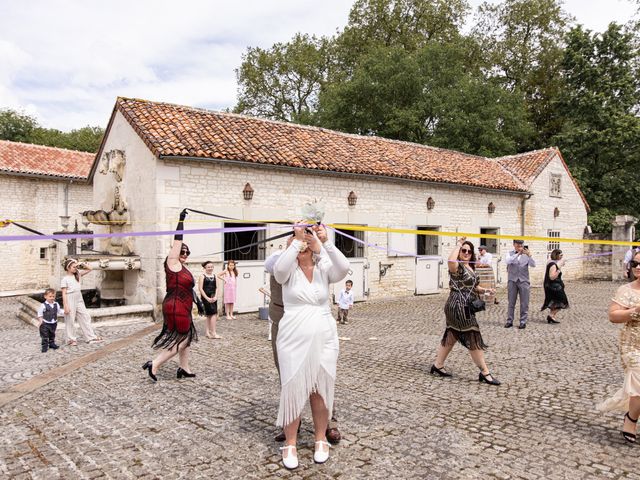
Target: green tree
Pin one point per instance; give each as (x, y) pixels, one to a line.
(283, 82)
(523, 41)
(431, 96)
(600, 135)
(16, 126)
(19, 127)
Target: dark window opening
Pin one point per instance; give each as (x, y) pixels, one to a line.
(239, 245)
(349, 247)
(428, 244)
(43, 253)
(490, 243)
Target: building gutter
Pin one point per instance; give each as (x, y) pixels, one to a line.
(523, 212)
(345, 174)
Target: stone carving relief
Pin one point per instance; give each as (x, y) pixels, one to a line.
(114, 162)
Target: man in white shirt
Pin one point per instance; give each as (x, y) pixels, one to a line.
(485, 257)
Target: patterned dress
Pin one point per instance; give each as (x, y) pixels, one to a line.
(176, 310)
(461, 323)
(554, 296)
(629, 354)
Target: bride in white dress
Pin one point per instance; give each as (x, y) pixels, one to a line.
(307, 337)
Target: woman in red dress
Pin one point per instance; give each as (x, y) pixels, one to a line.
(178, 330)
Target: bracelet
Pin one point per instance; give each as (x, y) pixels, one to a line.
(634, 316)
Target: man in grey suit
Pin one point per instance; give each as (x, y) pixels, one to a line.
(518, 262)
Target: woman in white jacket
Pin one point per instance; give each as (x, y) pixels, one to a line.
(307, 341)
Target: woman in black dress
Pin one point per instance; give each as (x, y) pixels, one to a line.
(555, 299)
(209, 294)
(461, 320)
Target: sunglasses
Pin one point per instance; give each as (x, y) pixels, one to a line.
(634, 264)
(186, 253)
(465, 250)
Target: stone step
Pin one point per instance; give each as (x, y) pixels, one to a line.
(122, 315)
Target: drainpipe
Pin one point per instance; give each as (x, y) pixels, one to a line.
(523, 211)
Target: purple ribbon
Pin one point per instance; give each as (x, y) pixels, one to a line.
(65, 236)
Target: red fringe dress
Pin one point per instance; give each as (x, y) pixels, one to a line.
(176, 310)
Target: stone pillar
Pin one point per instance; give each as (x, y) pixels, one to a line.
(624, 230)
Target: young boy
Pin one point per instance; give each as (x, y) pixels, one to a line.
(345, 302)
(48, 318)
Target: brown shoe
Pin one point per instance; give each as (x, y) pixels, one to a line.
(333, 435)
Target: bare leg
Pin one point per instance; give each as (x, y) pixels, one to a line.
(443, 352)
(553, 312)
(291, 432)
(634, 412)
(213, 325)
(183, 358)
(208, 326)
(162, 357)
(231, 311)
(228, 308)
(478, 358)
(320, 414)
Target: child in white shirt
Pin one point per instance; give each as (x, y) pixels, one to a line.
(345, 302)
(48, 320)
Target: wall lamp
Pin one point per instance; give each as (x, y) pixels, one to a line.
(247, 191)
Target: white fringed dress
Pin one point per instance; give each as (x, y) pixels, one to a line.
(307, 336)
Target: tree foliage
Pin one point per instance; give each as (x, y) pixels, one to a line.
(523, 77)
(20, 127)
(600, 135)
(283, 82)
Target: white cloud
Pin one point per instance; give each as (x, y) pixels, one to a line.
(67, 61)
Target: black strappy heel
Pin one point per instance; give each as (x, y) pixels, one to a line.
(628, 436)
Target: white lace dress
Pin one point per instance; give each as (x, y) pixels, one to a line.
(307, 336)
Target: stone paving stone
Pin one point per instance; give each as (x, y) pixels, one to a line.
(107, 420)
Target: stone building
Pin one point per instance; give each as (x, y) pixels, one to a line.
(255, 170)
(40, 186)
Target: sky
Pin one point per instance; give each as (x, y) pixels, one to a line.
(65, 61)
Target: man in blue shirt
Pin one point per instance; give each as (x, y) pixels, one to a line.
(518, 262)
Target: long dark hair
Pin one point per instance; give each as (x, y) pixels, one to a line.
(472, 260)
(226, 267)
(68, 263)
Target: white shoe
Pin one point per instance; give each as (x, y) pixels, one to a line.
(320, 456)
(291, 460)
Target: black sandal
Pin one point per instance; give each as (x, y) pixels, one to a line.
(439, 371)
(628, 436)
(488, 378)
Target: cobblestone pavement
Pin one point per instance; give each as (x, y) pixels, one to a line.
(106, 420)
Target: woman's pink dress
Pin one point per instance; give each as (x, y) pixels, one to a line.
(229, 288)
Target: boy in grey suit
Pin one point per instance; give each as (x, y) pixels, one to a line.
(518, 262)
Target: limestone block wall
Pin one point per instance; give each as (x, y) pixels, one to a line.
(37, 203)
(540, 219)
(139, 190)
(597, 268)
(217, 187)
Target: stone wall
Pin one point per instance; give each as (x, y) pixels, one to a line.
(37, 203)
(570, 222)
(597, 268)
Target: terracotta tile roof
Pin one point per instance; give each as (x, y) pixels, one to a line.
(25, 158)
(174, 130)
(527, 166)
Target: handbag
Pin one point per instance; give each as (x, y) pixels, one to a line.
(477, 305)
(198, 302)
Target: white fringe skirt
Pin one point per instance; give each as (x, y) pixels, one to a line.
(308, 350)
